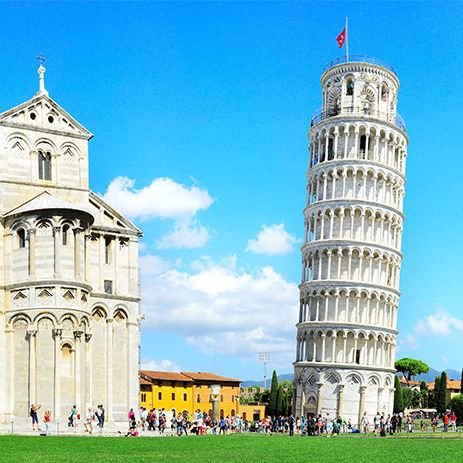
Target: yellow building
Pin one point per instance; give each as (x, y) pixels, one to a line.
(187, 392)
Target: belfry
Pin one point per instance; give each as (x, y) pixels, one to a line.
(351, 257)
(69, 297)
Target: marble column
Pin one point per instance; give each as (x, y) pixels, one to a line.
(77, 252)
(57, 250)
(78, 371)
(361, 403)
(340, 400)
(57, 333)
(89, 372)
(320, 398)
(109, 368)
(31, 333)
(32, 252)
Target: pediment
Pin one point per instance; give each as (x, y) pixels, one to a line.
(43, 114)
(108, 218)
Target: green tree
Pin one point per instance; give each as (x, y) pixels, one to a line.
(410, 368)
(398, 399)
(456, 404)
(279, 409)
(407, 397)
(441, 394)
(433, 400)
(424, 395)
(272, 402)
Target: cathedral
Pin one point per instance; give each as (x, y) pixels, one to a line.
(69, 285)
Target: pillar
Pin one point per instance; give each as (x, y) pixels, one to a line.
(31, 333)
(109, 367)
(340, 400)
(77, 252)
(319, 398)
(57, 333)
(31, 252)
(57, 250)
(78, 371)
(89, 370)
(361, 403)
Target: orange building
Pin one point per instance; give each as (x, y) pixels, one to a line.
(187, 392)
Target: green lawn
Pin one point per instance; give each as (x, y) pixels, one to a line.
(233, 448)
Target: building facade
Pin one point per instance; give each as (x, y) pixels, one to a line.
(351, 256)
(69, 295)
(187, 392)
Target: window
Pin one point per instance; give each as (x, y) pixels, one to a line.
(143, 397)
(363, 144)
(330, 149)
(21, 238)
(108, 286)
(65, 235)
(185, 397)
(198, 398)
(107, 250)
(159, 395)
(357, 357)
(44, 165)
(349, 87)
(233, 398)
(173, 395)
(221, 397)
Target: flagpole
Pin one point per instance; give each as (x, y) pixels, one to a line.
(347, 39)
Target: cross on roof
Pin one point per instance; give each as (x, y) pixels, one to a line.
(41, 58)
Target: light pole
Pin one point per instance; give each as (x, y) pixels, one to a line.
(264, 357)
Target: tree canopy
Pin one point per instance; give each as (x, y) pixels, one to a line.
(410, 368)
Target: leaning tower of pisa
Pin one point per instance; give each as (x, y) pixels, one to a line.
(349, 294)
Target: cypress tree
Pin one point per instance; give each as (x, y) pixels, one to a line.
(272, 403)
(279, 403)
(398, 399)
(441, 402)
(436, 391)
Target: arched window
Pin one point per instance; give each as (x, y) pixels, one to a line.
(363, 144)
(349, 86)
(384, 92)
(65, 232)
(44, 165)
(21, 238)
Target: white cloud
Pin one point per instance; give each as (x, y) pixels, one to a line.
(151, 265)
(272, 240)
(225, 310)
(163, 198)
(440, 323)
(159, 365)
(185, 235)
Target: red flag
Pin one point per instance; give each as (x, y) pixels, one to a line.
(341, 38)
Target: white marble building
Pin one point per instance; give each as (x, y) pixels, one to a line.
(351, 258)
(69, 296)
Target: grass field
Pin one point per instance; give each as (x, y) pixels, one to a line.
(233, 448)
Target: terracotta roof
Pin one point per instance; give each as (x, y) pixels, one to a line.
(164, 375)
(204, 376)
(144, 382)
(451, 384)
(404, 381)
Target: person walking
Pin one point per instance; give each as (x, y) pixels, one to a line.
(47, 421)
(88, 423)
(365, 423)
(453, 421)
(34, 416)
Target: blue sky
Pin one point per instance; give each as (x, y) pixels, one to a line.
(204, 108)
